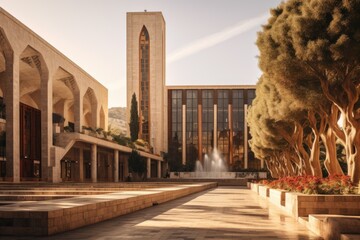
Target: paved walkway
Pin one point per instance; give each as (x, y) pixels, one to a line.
(222, 213)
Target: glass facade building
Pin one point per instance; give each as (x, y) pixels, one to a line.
(203, 118)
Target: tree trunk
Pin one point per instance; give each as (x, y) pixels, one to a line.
(317, 129)
(353, 154)
(331, 162)
(303, 155)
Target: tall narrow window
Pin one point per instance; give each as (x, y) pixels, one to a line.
(175, 128)
(223, 123)
(207, 121)
(191, 127)
(144, 115)
(238, 127)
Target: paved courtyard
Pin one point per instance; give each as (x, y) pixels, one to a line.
(221, 213)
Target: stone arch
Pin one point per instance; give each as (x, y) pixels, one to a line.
(6, 58)
(102, 119)
(90, 109)
(33, 71)
(65, 89)
(34, 115)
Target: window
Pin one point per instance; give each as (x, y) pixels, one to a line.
(144, 84)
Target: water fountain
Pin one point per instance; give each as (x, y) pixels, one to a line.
(213, 167)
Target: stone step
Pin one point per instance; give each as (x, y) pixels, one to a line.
(332, 226)
(350, 236)
(33, 197)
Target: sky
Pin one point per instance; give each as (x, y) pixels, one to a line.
(208, 42)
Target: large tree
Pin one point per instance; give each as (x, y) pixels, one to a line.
(315, 45)
(134, 119)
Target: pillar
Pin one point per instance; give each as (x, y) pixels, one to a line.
(81, 164)
(148, 168)
(46, 107)
(215, 126)
(262, 163)
(94, 114)
(245, 138)
(78, 111)
(200, 144)
(159, 169)
(183, 147)
(93, 163)
(231, 148)
(12, 100)
(116, 165)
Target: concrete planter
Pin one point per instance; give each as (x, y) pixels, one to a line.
(254, 187)
(277, 197)
(301, 205)
(263, 191)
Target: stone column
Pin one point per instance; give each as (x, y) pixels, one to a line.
(183, 147)
(215, 126)
(159, 169)
(262, 163)
(231, 148)
(81, 164)
(94, 163)
(94, 115)
(78, 111)
(116, 165)
(12, 100)
(245, 138)
(148, 167)
(200, 144)
(46, 107)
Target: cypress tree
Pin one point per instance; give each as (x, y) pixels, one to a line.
(134, 119)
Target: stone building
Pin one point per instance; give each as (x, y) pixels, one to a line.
(188, 121)
(47, 104)
(146, 74)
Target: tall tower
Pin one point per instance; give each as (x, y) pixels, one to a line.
(146, 75)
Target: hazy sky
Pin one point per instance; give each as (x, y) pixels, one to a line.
(208, 42)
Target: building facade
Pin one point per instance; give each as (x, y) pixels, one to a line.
(185, 121)
(146, 75)
(47, 103)
(204, 118)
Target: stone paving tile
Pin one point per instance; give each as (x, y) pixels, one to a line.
(221, 213)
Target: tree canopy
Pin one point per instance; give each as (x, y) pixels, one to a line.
(309, 56)
(134, 119)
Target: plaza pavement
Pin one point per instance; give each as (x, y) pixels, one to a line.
(221, 213)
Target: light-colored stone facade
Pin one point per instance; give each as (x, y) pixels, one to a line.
(155, 25)
(36, 79)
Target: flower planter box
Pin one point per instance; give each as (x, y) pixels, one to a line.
(254, 187)
(263, 191)
(277, 197)
(301, 205)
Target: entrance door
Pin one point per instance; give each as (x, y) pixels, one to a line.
(30, 143)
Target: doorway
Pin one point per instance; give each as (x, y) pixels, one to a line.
(30, 143)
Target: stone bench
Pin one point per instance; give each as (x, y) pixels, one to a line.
(55, 216)
(333, 226)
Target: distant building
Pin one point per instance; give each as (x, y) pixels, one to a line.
(202, 118)
(186, 121)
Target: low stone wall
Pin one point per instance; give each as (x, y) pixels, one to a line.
(254, 187)
(277, 197)
(301, 205)
(219, 175)
(50, 217)
(319, 213)
(263, 191)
